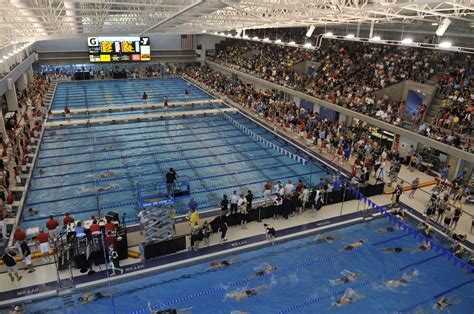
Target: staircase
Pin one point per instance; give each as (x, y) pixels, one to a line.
(434, 108)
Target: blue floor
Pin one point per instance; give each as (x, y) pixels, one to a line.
(215, 156)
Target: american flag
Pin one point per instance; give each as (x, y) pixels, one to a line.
(187, 42)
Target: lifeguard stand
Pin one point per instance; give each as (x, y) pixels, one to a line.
(156, 199)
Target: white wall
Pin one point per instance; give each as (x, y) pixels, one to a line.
(405, 145)
(158, 42)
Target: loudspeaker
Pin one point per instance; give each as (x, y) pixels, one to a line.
(112, 216)
(198, 47)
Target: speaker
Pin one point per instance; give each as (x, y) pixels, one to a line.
(198, 47)
(10, 83)
(112, 216)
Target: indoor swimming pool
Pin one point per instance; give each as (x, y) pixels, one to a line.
(215, 156)
(98, 93)
(306, 278)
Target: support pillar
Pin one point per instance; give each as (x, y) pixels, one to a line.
(22, 82)
(29, 74)
(2, 128)
(12, 100)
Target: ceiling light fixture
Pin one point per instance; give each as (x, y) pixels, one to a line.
(255, 38)
(308, 45)
(407, 41)
(350, 36)
(443, 27)
(292, 43)
(278, 41)
(266, 39)
(375, 38)
(310, 31)
(445, 44)
(328, 34)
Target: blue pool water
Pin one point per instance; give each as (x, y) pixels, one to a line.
(303, 277)
(122, 92)
(215, 156)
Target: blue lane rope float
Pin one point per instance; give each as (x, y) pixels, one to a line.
(116, 178)
(264, 141)
(123, 204)
(146, 138)
(147, 146)
(412, 307)
(357, 285)
(433, 246)
(155, 154)
(135, 126)
(288, 269)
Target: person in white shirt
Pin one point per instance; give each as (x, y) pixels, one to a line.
(289, 189)
(234, 199)
(318, 201)
(304, 198)
(242, 204)
(143, 220)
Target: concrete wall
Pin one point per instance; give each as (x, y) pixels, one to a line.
(207, 42)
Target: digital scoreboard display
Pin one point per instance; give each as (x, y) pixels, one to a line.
(119, 49)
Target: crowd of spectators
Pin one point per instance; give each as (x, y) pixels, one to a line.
(456, 85)
(22, 132)
(353, 145)
(348, 74)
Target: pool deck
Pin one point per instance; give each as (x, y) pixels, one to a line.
(43, 282)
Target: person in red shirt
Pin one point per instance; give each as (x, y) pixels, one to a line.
(110, 240)
(43, 240)
(67, 220)
(19, 234)
(94, 228)
(9, 202)
(109, 226)
(24, 161)
(52, 224)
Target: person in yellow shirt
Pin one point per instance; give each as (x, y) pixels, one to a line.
(194, 219)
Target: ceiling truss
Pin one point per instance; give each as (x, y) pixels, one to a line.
(29, 20)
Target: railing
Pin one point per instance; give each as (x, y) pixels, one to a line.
(464, 155)
(157, 193)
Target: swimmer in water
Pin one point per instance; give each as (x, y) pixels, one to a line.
(268, 270)
(406, 278)
(392, 250)
(348, 277)
(107, 174)
(353, 245)
(244, 294)
(423, 247)
(112, 186)
(328, 239)
(385, 230)
(221, 264)
(93, 296)
(41, 171)
(349, 296)
(33, 211)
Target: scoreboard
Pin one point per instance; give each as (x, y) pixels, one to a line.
(116, 49)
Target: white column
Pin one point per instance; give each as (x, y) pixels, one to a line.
(12, 100)
(2, 128)
(29, 74)
(21, 83)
